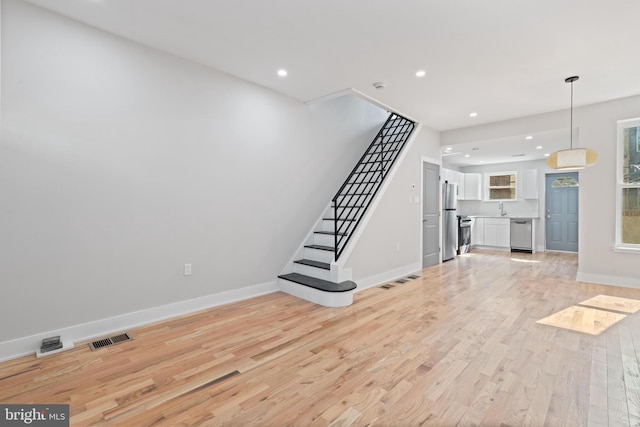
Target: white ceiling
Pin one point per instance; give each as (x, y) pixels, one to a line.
(515, 148)
(499, 58)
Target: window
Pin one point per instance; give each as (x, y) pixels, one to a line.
(500, 186)
(628, 183)
(565, 181)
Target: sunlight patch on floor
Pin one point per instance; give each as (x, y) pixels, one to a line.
(583, 319)
(524, 260)
(607, 302)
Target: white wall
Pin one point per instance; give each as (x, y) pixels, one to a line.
(397, 222)
(119, 164)
(597, 130)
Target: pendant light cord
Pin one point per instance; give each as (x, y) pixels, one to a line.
(571, 141)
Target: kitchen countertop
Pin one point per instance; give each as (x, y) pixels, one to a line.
(506, 216)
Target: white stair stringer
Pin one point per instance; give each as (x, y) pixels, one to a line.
(344, 256)
(337, 272)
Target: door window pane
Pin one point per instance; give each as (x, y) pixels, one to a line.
(565, 181)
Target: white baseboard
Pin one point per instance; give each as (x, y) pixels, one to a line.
(28, 345)
(381, 278)
(605, 279)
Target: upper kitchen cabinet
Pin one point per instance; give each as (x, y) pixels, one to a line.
(530, 184)
(472, 186)
(454, 177)
(469, 184)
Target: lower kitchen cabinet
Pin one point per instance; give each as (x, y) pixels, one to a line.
(497, 232)
(477, 232)
(491, 232)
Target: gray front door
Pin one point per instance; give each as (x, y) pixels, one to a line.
(561, 208)
(430, 214)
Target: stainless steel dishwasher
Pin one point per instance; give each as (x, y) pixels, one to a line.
(521, 235)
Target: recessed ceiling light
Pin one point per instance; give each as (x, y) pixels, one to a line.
(448, 148)
(467, 155)
(539, 147)
(421, 73)
(528, 137)
(474, 114)
(481, 161)
(282, 72)
(546, 154)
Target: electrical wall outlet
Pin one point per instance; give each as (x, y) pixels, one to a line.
(187, 269)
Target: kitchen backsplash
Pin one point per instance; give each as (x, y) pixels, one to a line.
(516, 208)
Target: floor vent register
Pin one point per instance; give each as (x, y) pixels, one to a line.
(107, 342)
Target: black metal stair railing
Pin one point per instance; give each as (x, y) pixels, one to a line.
(361, 186)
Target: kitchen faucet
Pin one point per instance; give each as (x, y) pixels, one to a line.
(501, 207)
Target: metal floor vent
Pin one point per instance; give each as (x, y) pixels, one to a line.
(387, 286)
(106, 342)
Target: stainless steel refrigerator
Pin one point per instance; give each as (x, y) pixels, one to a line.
(449, 221)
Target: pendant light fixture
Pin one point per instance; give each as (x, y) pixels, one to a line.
(573, 158)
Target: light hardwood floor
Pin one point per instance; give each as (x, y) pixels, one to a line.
(459, 346)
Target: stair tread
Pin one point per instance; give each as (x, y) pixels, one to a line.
(330, 233)
(313, 263)
(320, 247)
(323, 285)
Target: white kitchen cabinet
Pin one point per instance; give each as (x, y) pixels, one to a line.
(497, 232)
(472, 186)
(454, 177)
(477, 232)
(458, 178)
(530, 184)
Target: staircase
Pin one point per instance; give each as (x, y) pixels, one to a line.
(318, 275)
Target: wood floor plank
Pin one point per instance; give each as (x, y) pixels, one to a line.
(458, 346)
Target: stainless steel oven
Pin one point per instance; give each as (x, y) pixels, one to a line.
(464, 234)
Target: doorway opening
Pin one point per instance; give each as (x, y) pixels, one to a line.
(561, 211)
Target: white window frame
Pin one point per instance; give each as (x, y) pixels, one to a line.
(487, 188)
(620, 185)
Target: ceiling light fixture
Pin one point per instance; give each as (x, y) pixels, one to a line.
(467, 155)
(528, 137)
(282, 72)
(379, 85)
(539, 147)
(421, 73)
(474, 114)
(449, 148)
(573, 158)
